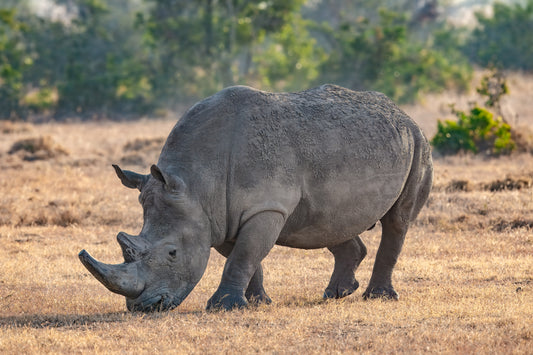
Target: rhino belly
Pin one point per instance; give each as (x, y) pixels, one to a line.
(332, 212)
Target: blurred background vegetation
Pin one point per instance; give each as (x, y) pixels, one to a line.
(128, 58)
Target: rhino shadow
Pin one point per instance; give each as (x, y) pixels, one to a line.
(38, 321)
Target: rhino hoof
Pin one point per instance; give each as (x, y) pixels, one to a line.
(381, 293)
(258, 298)
(226, 299)
(340, 291)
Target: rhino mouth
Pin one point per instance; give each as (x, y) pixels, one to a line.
(152, 304)
(157, 303)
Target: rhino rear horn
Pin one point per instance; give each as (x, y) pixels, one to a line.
(130, 179)
(121, 278)
(133, 248)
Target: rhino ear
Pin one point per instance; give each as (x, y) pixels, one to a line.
(171, 182)
(130, 179)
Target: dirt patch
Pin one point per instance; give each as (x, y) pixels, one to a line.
(132, 159)
(10, 127)
(502, 225)
(459, 185)
(509, 183)
(523, 138)
(144, 144)
(37, 148)
(140, 151)
(55, 213)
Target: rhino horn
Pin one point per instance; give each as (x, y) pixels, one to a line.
(133, 248)
(121, 278)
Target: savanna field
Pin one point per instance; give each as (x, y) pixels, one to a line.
(465, 276)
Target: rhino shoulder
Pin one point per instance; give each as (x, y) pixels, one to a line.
(225, 98)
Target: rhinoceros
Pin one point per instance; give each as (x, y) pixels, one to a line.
(245, 169)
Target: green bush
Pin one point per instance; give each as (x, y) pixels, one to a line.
(476, 131)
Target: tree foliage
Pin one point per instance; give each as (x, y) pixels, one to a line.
(504, 39)
(382, 56)
(289, 59)
(122, 57)
(201, 46)
(13, 61)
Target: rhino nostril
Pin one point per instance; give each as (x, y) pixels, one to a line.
(172, 253)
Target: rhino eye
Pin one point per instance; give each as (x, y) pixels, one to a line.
(172, 253)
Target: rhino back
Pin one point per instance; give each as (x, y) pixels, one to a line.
(332, 160)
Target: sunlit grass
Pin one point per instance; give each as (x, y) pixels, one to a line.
(465, 279)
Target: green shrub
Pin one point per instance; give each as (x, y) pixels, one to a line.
(476, 131)
(480, 130)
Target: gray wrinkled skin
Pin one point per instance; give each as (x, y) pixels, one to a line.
(244, 170)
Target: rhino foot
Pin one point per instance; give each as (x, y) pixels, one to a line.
(385, 293)
(226, 299)
(340, 290)
(257, 297)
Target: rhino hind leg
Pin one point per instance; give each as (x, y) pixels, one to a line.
(395, 224)
(255, 293)
(348, 256)
(393, 236)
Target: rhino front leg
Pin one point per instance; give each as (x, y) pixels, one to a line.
(255, 293)
(348, 256)
(254, 241)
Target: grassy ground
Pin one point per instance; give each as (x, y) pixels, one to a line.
(465, 276)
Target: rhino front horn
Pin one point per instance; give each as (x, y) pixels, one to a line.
(121, 278)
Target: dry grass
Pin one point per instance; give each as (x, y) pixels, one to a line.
(465, 276)
(37, 148)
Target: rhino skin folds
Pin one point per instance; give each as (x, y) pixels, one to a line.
(244, 170)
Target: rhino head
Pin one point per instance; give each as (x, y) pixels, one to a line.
(167, 259)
